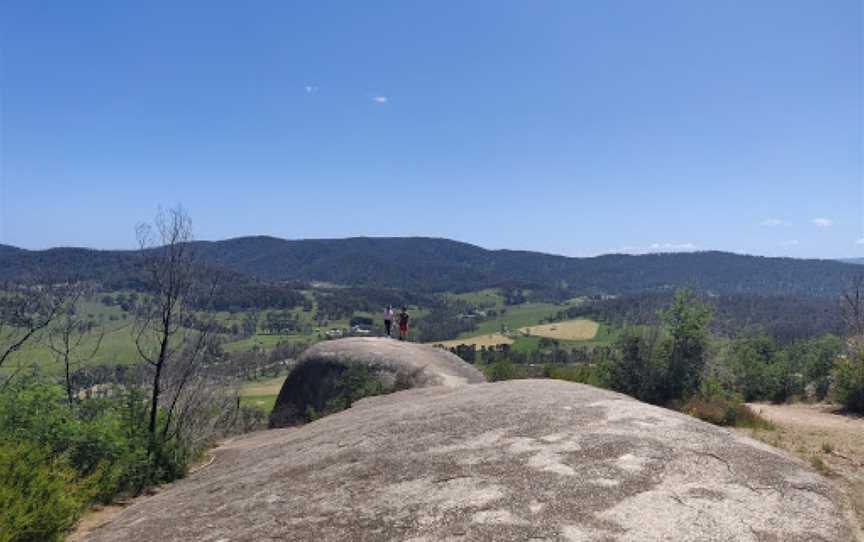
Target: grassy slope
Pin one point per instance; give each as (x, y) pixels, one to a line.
(118, 345)
(515, 316)
(262, 393)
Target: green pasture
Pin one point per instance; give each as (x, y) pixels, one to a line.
(514, 317)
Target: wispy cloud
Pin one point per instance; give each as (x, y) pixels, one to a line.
(822, 222)
(672, 246)
(657, 247)
(312, 89)
(380, 99)
(773, 223)
(789, 243)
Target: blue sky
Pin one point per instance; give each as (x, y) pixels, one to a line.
(569, 127)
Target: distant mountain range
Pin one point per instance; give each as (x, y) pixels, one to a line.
(436, 265)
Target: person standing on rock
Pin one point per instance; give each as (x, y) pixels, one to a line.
(403, 323)
(388, 319)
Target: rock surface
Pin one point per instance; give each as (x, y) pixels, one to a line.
(517, 460)
(395, 364)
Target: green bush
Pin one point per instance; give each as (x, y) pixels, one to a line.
(640, 366)
(40, 498)
(814, 359)
(848, 377)
(104, 440)
(342, 387)
(56, 458)
(504, 370)
(582, 373)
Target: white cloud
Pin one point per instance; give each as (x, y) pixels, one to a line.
(789, 243)
(657, 247)
(823, 222)
(860, 241)
(773, 222)
(311, 89)
(672, 246)
(380, 99)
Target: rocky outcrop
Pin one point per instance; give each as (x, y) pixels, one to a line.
(393, 365)
(517, 460)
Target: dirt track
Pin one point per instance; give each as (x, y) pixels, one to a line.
(822, 435)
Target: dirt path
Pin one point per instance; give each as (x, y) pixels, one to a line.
(831, 441)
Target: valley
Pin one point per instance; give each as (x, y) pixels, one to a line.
(231, 343)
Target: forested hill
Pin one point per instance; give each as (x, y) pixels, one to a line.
(430, 265)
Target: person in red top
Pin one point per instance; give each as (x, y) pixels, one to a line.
(403, 323)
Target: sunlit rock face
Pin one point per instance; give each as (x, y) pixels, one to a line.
(394, 365)
(517, 460)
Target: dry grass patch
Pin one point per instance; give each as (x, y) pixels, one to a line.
(832, 442)
(571, 330)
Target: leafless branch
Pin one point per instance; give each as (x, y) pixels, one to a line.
(852, 304)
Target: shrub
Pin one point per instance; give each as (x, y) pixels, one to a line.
(640, 368)
(815, 358)
(717, 405)
(848, 377)
(581, 373)
(353, 384)
(39, 497)
(726, 412)
(504, 370)
(315, 390)
(104, 441)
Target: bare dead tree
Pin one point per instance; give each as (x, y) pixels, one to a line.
(198, 349)
(852, 304)
(202, 404)
(67, 336)
(161, 338)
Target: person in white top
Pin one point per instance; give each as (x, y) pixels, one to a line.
(388, 319)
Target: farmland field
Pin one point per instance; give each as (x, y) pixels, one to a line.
(514, 317)
(117, 345)
(491, 339)
(571, 330)
(262, 394)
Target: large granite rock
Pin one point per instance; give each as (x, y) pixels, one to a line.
(395, 365)
(518, 460)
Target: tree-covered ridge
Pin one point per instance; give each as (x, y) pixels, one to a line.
(784, 318)
(438, 265)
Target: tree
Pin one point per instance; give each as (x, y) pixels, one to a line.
(686, 320)
(759, 370)
(636, 371)
(66, 337)
(26, 309)
(852, 302)
(250, 324)
(172, 281)
(814, 358)
(848, 377)
(848, 371)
